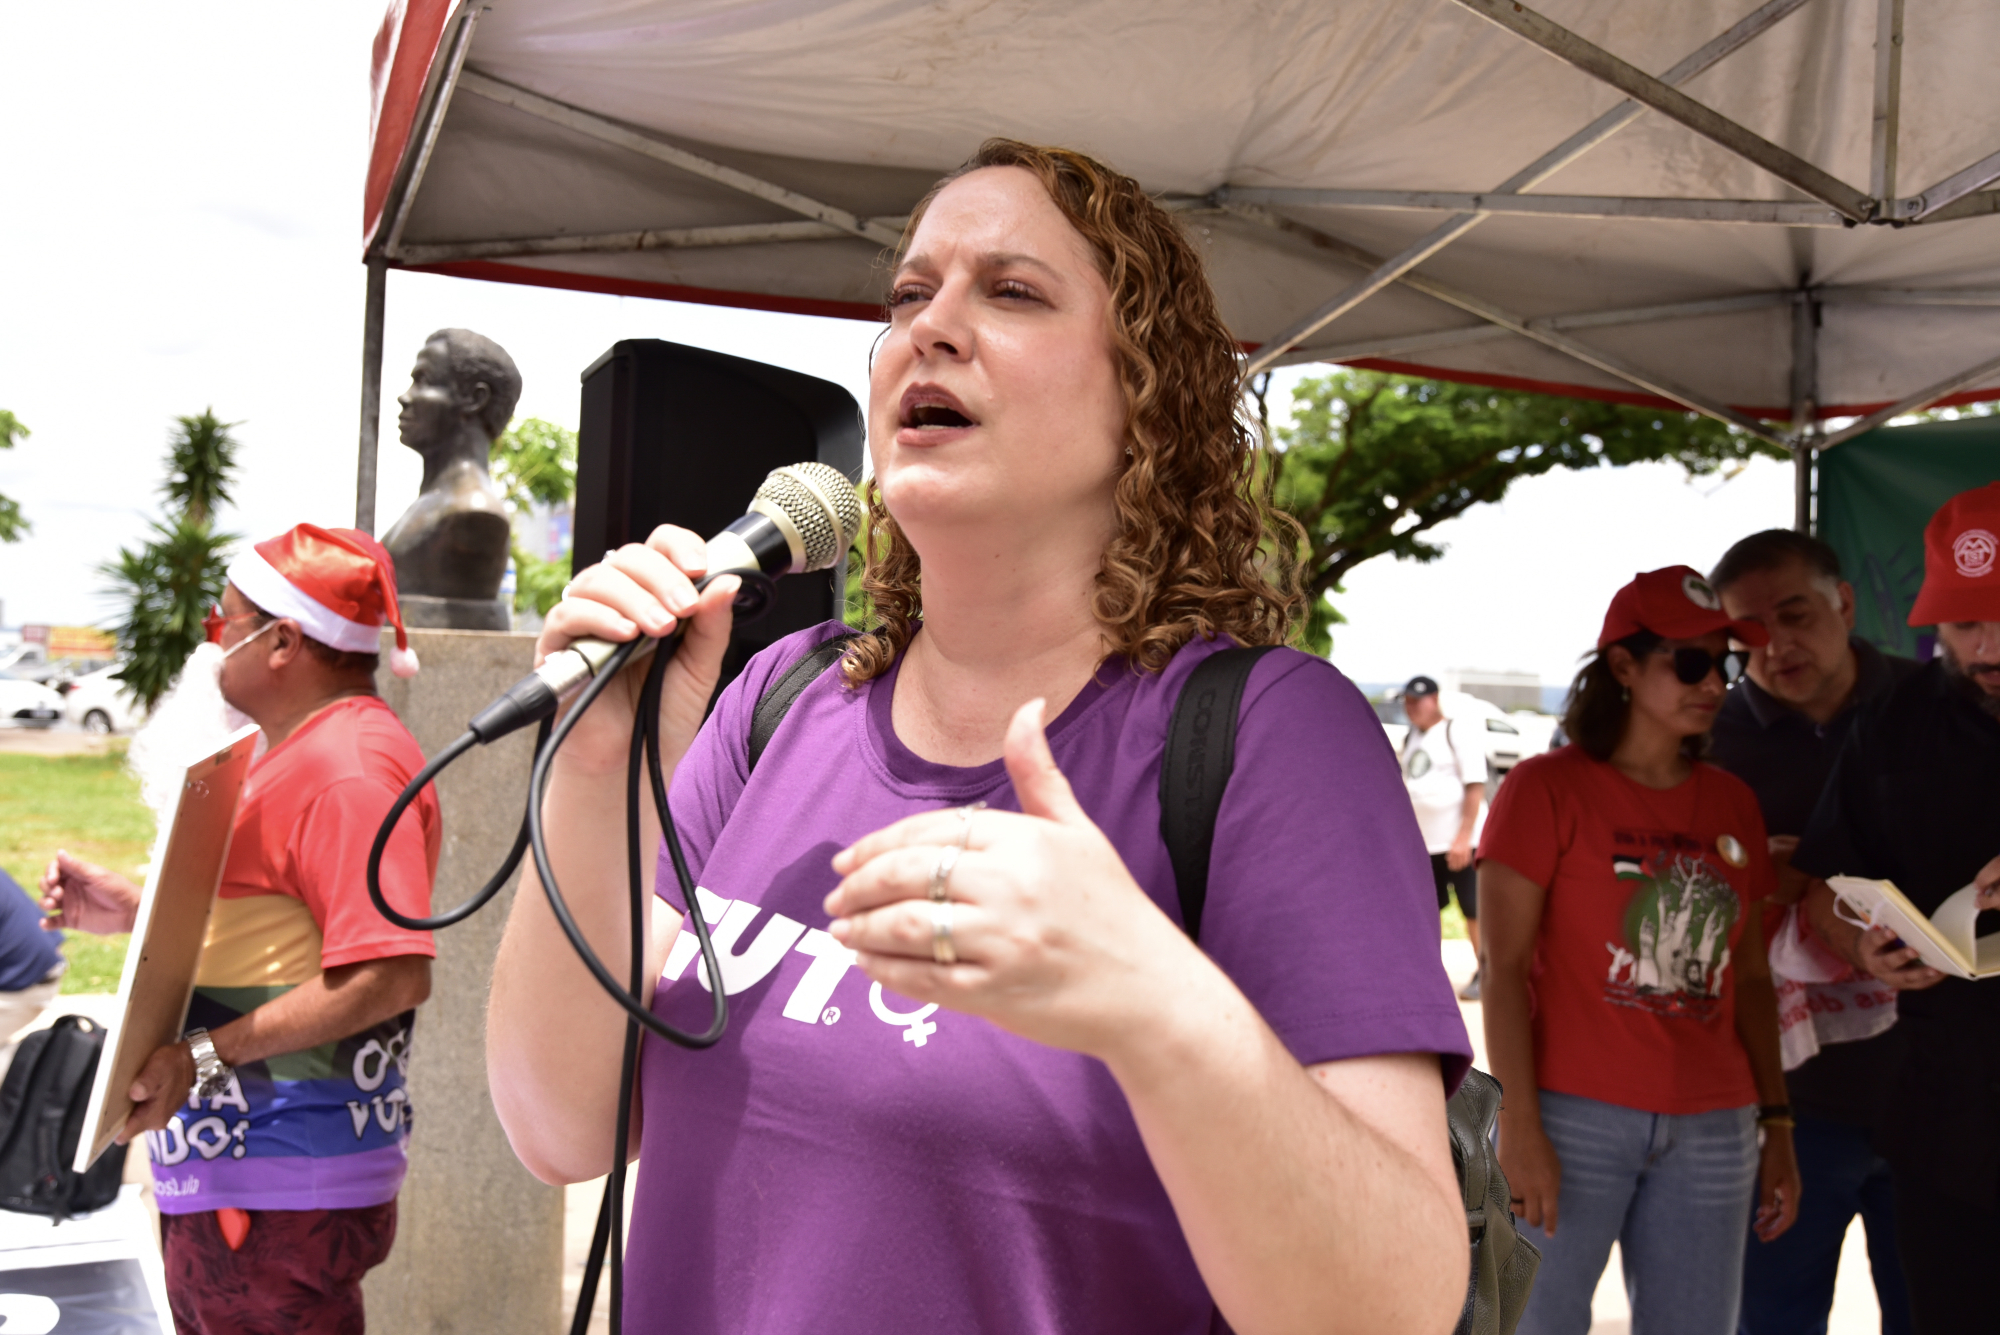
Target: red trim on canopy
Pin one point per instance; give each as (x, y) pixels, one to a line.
(1633, 397)
(406, 43)
(493, 272)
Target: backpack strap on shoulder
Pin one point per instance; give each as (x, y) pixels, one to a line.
(782, 694)
(1200, 753)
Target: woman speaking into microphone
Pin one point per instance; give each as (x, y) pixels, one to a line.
(977, 1077)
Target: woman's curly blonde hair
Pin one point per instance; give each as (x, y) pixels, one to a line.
(1198, 548)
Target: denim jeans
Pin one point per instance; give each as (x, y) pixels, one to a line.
(1674, 1191)
(1788, 1284)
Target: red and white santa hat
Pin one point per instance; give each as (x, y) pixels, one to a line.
(339, 584)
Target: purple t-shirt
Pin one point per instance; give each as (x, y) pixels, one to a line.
(845, 1160)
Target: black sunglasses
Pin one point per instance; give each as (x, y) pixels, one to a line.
(1692, 665)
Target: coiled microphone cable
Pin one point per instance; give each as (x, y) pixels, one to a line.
(805, 517)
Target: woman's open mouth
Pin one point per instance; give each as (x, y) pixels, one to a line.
(928, 408)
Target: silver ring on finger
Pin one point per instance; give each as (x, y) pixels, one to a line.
(965, 815)
(942, 949)
(941, 874)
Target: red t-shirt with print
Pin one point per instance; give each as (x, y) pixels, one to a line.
(1632, 991)
(310, 810)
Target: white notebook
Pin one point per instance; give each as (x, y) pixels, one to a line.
(1944, 940)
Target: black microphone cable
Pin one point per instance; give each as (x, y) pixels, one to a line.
(517, 710)
(804, 517)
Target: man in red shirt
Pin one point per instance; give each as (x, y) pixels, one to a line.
(277, 1175)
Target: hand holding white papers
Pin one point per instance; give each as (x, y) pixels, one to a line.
(1944, 940)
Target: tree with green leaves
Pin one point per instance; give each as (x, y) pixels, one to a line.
(1371, 462)
(535, 461)
(170, 582)
(13, 527)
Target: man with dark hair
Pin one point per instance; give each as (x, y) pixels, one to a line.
(1446, 777)
(278, 1125)
(1780, 731)
(1915, 799)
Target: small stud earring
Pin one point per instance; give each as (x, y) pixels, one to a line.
(1625, 694)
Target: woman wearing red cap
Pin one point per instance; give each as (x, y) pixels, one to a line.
(1629, 1007)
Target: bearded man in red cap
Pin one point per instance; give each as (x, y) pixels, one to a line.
(1915, 799)
(278, 1126)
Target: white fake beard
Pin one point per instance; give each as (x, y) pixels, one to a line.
(190, 721)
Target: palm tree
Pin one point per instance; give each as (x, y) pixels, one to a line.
(169, 583)
(200, 458)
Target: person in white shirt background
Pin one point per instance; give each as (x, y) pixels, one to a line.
(1446, 777)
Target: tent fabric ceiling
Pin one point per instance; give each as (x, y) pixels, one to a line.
(861, 105)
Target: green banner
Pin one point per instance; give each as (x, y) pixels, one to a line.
(1876, 493)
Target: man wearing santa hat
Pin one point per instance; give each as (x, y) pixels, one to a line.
(278, 1124)
(1915, 799)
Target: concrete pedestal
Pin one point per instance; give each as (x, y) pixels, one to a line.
(479, 1243)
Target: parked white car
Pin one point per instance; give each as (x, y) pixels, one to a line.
(1508, 738)
(28, 704)
(98, 704)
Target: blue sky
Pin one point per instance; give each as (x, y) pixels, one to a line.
(182, 229)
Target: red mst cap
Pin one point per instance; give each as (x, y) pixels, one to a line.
(1962, 560)
(1676, 604)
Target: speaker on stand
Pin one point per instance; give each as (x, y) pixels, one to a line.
(678, 435)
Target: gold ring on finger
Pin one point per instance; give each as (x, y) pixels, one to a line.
(942, 950)
(941, 874)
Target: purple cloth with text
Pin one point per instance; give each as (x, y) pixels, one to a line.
(845, 1160)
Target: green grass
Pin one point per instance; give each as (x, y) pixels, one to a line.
(1451, 922)
(89, 805)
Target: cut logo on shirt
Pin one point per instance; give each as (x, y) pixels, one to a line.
(742, 969)
(1675, 955)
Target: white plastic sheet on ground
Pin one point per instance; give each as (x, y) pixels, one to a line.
(96, 1274)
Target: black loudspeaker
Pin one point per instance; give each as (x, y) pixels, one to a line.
(679, 435)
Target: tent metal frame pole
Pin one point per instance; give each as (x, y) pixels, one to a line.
(373, 310)
(1927, 206)
(1916, 403)
(1492, 314)
(1486, 333)
(1675, 105)
(1908, 296)
(1888, 104)
(609, 132)
(461, 46)
(1661, 209)
(1805, 404)
(1745, 30)
(657, 238)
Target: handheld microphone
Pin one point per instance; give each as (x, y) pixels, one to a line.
(804, 517)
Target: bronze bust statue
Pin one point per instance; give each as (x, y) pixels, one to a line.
(450, 547)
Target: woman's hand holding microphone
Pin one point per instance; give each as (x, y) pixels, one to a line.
(644, 589)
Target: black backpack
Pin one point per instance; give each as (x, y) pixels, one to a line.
(1200, 753)
(42, 1104)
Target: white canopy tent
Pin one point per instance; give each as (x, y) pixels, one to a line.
(1768, 213)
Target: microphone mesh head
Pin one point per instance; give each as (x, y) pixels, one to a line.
(822, 505)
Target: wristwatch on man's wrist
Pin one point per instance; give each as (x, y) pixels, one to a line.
(211, 1073)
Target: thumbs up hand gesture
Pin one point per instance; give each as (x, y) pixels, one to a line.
(1029, 920)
